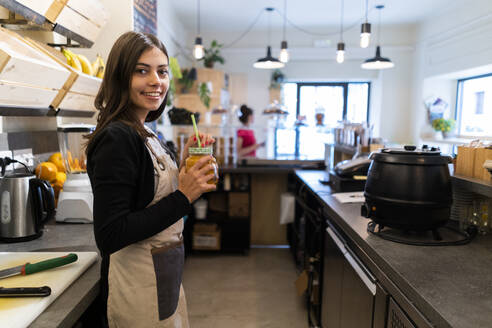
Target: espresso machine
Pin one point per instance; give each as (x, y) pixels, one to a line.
(75, 201)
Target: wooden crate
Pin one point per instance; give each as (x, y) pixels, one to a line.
(80, 89)
(92, 9)
(21, 63)
(84, 17)
(22, 95)
(47, 8)
(30, 76)
(77, 101)
(192, 102)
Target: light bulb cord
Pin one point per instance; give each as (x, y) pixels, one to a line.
(379, 26)
(367, 8)
(269, 30)
(285, 19)
(198, 17)
(341, 21)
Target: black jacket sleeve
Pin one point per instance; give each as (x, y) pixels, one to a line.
(115, 160)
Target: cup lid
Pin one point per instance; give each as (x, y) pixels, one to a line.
(200, 150)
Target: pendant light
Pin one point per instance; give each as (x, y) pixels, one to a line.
(378, 62)
(341, 45)
(198, 51)
(365, 32)
(284, 53)
(268, 62)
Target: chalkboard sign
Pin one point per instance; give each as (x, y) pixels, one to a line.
(145, 16)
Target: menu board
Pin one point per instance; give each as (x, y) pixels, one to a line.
(145, 16)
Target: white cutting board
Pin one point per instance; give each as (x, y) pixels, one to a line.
(20, 312)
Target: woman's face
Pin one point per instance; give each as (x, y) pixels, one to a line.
(150, 81)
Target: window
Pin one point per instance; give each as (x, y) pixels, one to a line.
(315, 108)
(474, 106)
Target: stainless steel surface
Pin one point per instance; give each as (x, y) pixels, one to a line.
(332, 285)
(10, 272)
(368, 280)
(16, 214)
(347, 289)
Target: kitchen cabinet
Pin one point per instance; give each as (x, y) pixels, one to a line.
(348, 286)
(306, 239)
(229, 208)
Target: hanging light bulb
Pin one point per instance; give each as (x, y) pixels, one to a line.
(378, 61)
(365, 32)
(198, 51)
(268, 62)
(284, 53)
(340, 52)
(365, 35)
(341, 45)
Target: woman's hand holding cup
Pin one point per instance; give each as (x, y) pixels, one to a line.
(194, 181)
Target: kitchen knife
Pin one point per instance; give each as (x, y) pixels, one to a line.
(29, 268)
(25, 291)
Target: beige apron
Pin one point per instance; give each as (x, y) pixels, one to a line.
(144, 278)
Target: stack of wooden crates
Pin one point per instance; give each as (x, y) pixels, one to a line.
(470, 160)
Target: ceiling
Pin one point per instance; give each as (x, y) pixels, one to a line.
(237, 15)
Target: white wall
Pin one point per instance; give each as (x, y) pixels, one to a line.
(455, 44)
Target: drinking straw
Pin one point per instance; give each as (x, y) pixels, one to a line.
(196, 130)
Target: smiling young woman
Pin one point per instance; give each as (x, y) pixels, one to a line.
(140, 195)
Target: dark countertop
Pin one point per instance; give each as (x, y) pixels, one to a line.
(450, 285)
(69, 306)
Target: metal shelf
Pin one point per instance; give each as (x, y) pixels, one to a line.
(6, 110)
(37, 21)
(474, 185)
(19, 111)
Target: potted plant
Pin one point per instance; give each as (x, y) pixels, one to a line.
(212, 55)
(276, 79)
(204, 93)
(444, 126)
(187, 79)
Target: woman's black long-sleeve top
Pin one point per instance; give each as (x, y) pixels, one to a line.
(122, 178)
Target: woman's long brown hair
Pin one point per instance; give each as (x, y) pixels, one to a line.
(113, 99)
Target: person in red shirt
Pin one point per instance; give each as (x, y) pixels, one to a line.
(246, 140)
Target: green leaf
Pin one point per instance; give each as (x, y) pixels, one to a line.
(175, 69)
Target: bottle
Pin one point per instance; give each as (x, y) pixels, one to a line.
(195, 153)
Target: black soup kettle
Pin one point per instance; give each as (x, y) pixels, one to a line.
(408, 188)
(26, 203)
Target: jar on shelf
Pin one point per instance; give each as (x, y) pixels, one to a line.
(219, 150)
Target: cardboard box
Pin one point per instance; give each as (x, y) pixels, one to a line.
(465, 161)
(239, 204)
(217, 202)
(206, 236)
(481, 155)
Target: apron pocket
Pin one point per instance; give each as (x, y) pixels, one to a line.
(168, 267)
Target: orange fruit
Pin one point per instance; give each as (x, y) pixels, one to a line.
(57, 159)
(46, 171)
(60, 180)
